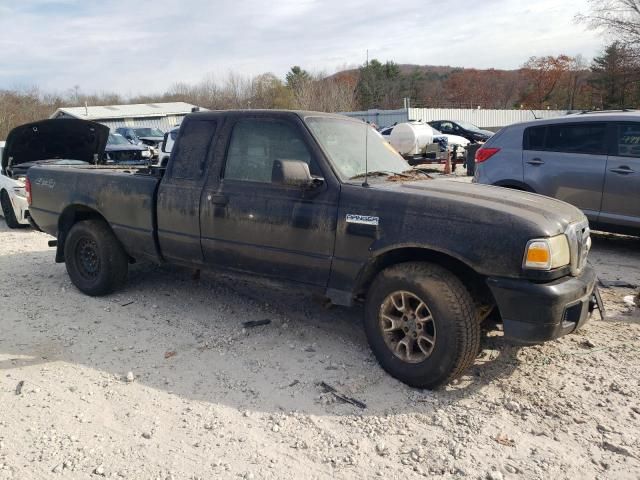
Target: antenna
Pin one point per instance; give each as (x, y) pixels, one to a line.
(366, 155)
(534, 114)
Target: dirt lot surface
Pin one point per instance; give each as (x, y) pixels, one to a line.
(161, 381)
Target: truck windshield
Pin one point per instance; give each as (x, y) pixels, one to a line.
(117, 139)
(348, 143)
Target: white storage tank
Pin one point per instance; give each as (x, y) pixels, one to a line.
(411, 138)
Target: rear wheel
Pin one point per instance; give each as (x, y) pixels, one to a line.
(421, 324)
(95, 260)
(8, 212)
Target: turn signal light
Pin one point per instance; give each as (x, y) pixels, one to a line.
(484, 154)
(538, 255)
(547, 253)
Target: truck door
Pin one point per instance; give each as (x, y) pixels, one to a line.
(180, 190)
(567, 162)
(621, 196)
(250, 224)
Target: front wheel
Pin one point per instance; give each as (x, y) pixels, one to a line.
(421, 324)
(95, 260)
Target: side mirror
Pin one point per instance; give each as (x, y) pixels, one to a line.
(163, 144)
(294, 173)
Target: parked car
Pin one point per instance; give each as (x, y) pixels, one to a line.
(462, 129)
(589, 160)
(149, 136)
(166, 146)
(120, 151)
(13, 199)
(58, 142)
(318, 200)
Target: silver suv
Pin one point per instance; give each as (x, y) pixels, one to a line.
(590, 160)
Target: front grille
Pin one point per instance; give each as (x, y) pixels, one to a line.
(123, 155)
(579, 237)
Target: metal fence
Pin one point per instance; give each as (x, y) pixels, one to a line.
(382, 118)
(483, 118)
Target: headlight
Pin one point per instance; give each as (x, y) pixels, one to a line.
(146, 154)
(547, 253)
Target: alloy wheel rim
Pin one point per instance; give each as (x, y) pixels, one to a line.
(407, 326)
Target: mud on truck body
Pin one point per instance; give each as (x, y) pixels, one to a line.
(322, 201)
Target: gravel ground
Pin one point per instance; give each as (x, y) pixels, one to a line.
(161, 381)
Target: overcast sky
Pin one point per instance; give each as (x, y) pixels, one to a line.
(140, 46)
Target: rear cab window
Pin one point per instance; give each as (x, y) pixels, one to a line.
(192, 150)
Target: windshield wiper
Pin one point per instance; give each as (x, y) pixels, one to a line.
(376, 173)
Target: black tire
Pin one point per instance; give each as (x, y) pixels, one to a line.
(95, 260)
(7, 211)
(453, 325)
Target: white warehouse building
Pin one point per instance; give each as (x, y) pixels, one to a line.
(164, 116)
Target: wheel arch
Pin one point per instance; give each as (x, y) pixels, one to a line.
(514, 184)
(71, 215)
(474, 281)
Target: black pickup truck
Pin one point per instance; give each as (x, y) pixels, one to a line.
(323, 201)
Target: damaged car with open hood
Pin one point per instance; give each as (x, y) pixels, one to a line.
(54, 142)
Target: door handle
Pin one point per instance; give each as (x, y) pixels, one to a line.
(622, 170)
(536, 161)
(217, 199)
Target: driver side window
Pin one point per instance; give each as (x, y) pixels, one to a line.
(257, 143)
(446, 127)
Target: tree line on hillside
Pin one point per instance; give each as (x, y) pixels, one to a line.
(611, 80)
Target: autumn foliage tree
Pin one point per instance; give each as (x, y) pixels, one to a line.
(543, 74)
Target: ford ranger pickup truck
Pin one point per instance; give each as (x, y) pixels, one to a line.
(323, 201)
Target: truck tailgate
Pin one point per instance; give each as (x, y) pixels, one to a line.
(126, 200)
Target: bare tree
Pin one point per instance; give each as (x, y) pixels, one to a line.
(620, 18)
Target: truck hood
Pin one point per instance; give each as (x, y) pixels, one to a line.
(488, 203)
(54, 139)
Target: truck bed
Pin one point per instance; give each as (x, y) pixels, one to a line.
(124, 197)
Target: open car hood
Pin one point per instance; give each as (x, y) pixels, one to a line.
(59, 138)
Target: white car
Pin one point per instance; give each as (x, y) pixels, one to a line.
(13, 197)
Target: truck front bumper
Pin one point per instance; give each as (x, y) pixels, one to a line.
(537, 312)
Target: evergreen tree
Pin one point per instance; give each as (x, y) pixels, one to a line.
(375, 83)
(615, 75)
(297, 77)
